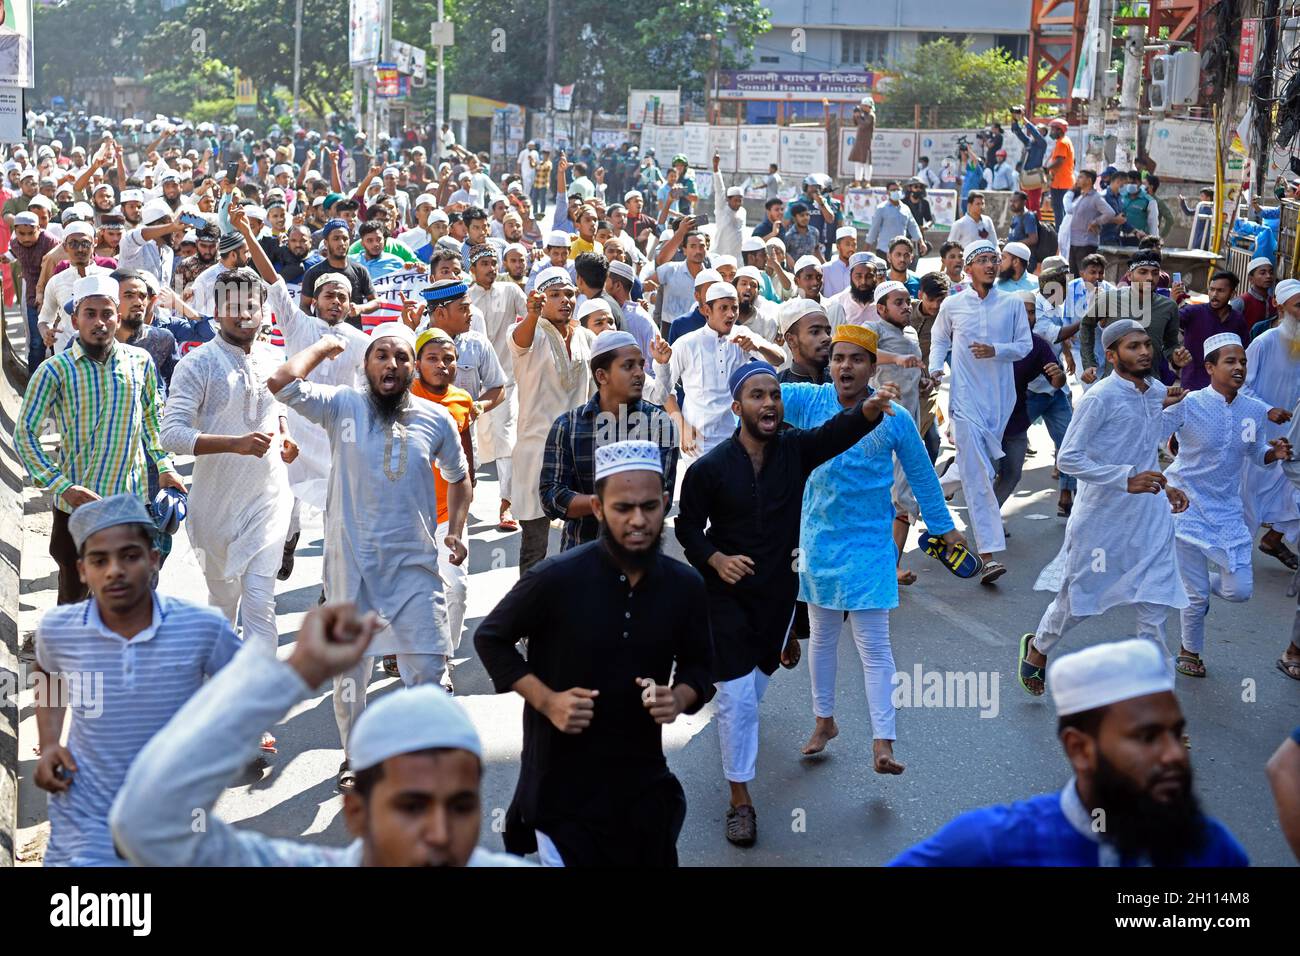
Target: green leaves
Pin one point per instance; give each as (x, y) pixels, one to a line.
(954, 86)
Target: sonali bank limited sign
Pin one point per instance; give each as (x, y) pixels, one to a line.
(776, 85)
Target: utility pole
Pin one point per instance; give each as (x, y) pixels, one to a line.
(438, 111)
(1126, 134)
(385, 56)
(1096, 145)
(297, 57)
(550, 72)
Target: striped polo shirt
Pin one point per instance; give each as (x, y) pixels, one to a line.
(107, 415)
(120, 693)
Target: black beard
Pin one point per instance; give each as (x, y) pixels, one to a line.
(747, 307)
(388, 408)
(633, 560)
(1007, 275)
(1137, 824)
(133, 322)
(862, 296)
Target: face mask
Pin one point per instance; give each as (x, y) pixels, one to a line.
(1131, 189)
(896, 195)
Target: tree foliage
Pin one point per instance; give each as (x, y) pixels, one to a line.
(963, 87)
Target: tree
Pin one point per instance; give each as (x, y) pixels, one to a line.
(962, 87)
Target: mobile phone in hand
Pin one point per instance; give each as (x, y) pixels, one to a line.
(232, 171)
(192, 220)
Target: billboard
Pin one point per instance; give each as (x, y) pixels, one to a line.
(16, 44)
(365, 31)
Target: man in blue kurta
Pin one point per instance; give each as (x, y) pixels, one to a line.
(1130, 801)
(846, 546)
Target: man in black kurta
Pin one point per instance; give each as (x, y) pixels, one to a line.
(609, 624)
(749, 490)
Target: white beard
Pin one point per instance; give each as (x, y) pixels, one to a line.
(1290, 327)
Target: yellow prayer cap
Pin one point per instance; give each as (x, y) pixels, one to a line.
(858, 335)
(432, 335)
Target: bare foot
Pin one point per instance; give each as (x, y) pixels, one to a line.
(906, 577)
(884, 755)
(825, 731)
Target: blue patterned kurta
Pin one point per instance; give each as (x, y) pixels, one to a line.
(846, 535)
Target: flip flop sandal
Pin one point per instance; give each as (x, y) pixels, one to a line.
(508, 524)
(956, 558)
(268, 745)
(1028, 671)
(1189, 665)
(992, 571)
(347, 779)
(742, 826)
(1289, 666)
(1283, 554)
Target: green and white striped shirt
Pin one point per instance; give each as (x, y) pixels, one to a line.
(107, 415)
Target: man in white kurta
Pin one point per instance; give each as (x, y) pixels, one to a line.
(1119, 542)
(220, 410)
(986, 330)
(380, 546)
(1273, 376)
(502, 305)
(553, 375)
(1219, 430)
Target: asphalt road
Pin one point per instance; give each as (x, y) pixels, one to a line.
(830, 809)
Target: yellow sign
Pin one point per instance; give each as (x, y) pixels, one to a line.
(245, 96)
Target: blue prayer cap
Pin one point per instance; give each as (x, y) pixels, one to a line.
(332, 225)
(444, 290)
(747, 371)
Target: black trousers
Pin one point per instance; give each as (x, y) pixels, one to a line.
(536, 535)
(64, 552)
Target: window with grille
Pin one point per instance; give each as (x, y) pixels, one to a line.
(859, 47)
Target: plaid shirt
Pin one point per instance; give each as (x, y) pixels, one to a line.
(569, 461)
(107, 416)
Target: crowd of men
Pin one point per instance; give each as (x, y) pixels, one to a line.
(364, 339)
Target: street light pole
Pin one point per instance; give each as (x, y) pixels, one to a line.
(297, 57)
(439, 110)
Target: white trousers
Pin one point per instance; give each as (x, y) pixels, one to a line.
(250, 598)
(548, 854)
(295, 519)
(736, 706)
(455, 579)
(871, 635)
(862, 172)
(350, 686)
(982, 506)
(504, 471)
(1199, 581)
(1057, 619)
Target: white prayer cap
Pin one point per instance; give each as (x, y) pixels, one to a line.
(67, 188)
(752, 244)
(735, 191)
(1117, 329)
(794, 310)
(78, 229)
(885, 288)
(131, 195)
(749, 272)
(552, 275)
(707, 275)
(108, 512)
(598, 304)
(311, 176)
(775, 240)
(519, 248)
(979, 247)
(42, 202)
(408, 721)
(255, 212)
(392, 171)
(1108, 673)
(424, 199)
(1219, 341)
(29, 219)
(439, 215)
(720, 261)
(1257, 262)
(282, 169)
(334, 278)
(1019, 250)
(98, 284)
(621, 269)
(396, 330)
(862, 259)
(623, 456)
(558, 237)
(1027, 296)
(155, 210)
(806, 261)
(846, 232)
(720, 290)
(611, 339)
(632, 194)
(1283, 292)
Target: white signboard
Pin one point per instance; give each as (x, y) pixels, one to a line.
(803, 151)
(11, 114)
(668, 143)
(1182, 149)
(695, 144)
(649, 139)
(758, 148)
(860, 205)
(722, 141)
(893, 152)
(365, 30)
(940, 144)
(16, 44)
(641, 106)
